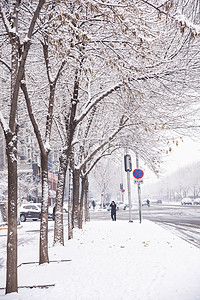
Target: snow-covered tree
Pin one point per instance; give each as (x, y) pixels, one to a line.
(136, 49)
(18, 40)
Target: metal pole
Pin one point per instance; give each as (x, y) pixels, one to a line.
(129, 197)
(139, 191)
(140, 206)
(123, 197)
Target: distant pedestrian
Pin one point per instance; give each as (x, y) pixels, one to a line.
(113, 210)
(93, 204)
(54, 210)
(148, 202)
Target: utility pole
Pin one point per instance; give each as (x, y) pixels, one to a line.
(139, 191)
(129, 197)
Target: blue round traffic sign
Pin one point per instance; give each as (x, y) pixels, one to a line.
(138, 173)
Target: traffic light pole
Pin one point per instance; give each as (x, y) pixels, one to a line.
(128, 169)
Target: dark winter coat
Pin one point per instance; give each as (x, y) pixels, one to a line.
(113, 207)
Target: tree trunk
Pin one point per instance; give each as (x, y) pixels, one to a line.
(70, 227)
(76, 207)
(44, 258)
(83, 182)
(87, 215)
(58, 226)
(11, 149)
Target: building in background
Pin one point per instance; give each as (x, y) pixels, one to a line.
(29, 169)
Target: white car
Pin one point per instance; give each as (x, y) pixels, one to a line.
(65, 207)
(196, 201)
(146, 202)
(186, 201)
(121, 206)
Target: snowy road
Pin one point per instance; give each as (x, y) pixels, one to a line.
(188, 232)
(184, 221)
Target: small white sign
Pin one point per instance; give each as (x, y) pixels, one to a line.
(136, 181)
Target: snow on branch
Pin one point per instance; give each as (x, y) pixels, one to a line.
(96, 101)
(181, 19)
(104, 143)
(5, 64)
(47, 146)
(184, 22)
(7, 24)
(99, 157)
(3, 122)
(110, 4)
(34, 19)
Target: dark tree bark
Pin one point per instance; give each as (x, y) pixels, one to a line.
(64, 158)
(58, 226)
(70, 225)
(80, 221)
(44, 256)
(84, 209)
(87, 216)
(76, 206)
(11, 275)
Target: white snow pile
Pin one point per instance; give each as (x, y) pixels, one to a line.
(110, 260)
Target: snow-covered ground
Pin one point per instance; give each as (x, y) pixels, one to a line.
(108, 260)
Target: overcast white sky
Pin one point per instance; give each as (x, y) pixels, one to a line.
(186, 153)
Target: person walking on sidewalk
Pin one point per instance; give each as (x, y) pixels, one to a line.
(113, 210)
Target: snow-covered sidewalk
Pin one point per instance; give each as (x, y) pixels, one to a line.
(111, 260)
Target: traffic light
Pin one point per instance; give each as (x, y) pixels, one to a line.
(127, 163)
(121, 186)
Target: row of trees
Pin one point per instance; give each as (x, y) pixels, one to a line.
(184, 182)
(93, 77)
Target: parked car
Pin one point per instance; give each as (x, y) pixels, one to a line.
(121, 206)
(51, 214)
(30, 211)
(196, 201)
(159, 201)
(146, 202)
(65, 207)
(186, 201)
(126, 206)
(156, 201)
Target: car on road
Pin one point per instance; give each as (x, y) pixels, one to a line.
(30, 211)
(186, 201)
(156, 201)
(159, 201)
(65, 207)
(51, 214)
(121, 206)
(196, 201)
(146, 202)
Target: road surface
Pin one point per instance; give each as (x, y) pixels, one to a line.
(183, 221)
